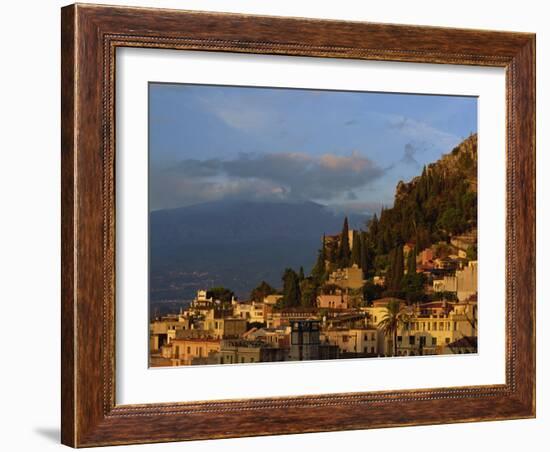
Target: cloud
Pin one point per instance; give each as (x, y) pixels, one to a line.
(421, 132)
(408, 155)
(361, 208)
(274, 176)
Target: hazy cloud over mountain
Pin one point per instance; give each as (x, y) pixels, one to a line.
(282, 176)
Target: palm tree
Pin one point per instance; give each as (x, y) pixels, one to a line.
(394, 318)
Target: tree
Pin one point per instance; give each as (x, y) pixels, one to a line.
(356, 250)
(372, 292)
(412, 285)
(319, 271)
(344, 249)
(301, 275)
(395, 273)
(411, 262)
(291, 289)
(220, 293)
(262, 291)
(308, 291)
(364, 257)
(394, 318)
(450, 220)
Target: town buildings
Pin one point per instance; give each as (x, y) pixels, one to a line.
(339, 323)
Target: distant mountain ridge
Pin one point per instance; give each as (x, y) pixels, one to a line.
(235, 244)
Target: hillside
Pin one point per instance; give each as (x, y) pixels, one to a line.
(432, 207)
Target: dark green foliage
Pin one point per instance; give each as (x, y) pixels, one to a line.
(220, 293)
(291, 289)
(365, 253)
(356, 250)
(471, 253)
(308, 290)
(411, 262)
(262, 291)
(319, 271)
(441, 202)
(412, 287)
(396, 270)
(372, 292)
(301, 275)
(344, 248)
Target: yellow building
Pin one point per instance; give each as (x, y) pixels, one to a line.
(223, 327)
(352, 340)
(252, 312)
(347, 278)
(432, 327)
(183, 352)
(164, 329)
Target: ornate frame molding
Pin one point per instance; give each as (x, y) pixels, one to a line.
(90, 36)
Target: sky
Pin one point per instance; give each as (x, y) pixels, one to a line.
(347, 150)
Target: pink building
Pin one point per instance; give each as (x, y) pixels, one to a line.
(339, 301)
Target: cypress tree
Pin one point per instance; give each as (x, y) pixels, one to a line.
(363, 242)
(396, 268)
(411, 262)
(319, 270)
(356, 250)
(344, 251)
(301, 275)
(291, 289)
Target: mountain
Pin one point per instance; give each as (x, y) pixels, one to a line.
(235, 244)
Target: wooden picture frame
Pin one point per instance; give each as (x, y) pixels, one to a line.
(90, 36)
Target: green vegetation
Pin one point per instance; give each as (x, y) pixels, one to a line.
(220, 293)
(262, 291)
(432, 207)
(291, 290)
(344, 250)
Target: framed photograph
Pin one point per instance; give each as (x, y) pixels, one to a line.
(281, 225)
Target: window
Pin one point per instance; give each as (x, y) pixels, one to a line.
(411, 340)
(447, 340)
(441, 326)
(399, 338)
(372, 349)
(428, 326)
(242, 359)
(373, 337)
(434, 340)
(188, 350)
